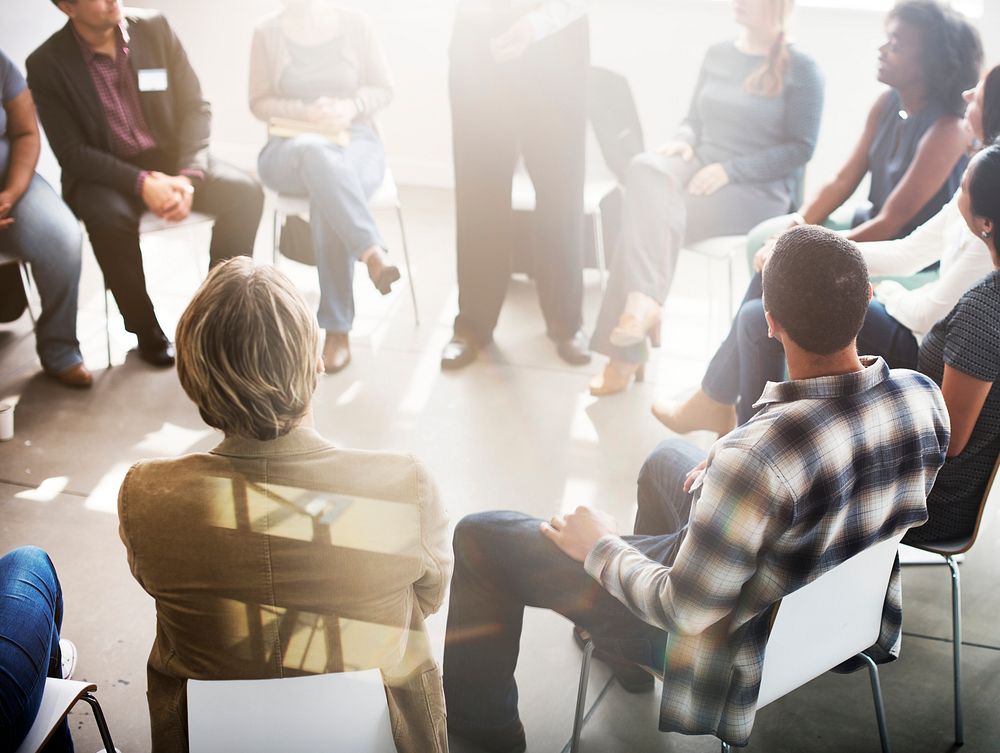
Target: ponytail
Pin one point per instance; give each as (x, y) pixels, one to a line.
(769, 79)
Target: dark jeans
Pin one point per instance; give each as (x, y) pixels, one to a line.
(503, 563)
(536, 107)
(748, 358)
(112, 220)
(30, 616)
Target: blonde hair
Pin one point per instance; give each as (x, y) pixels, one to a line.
(246, 351)
(769, 79)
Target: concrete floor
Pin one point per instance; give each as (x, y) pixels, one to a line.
(516, 430)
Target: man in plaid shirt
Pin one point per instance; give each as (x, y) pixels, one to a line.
(838, 459)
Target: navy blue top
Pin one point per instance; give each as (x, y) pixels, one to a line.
(12, 83)
(968, 340)
(891, 154)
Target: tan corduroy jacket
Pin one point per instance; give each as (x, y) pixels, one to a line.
(284, 558)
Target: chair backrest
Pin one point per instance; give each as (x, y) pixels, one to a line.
(613, 115)
(345, 711)
(825, 623)
(58, 698)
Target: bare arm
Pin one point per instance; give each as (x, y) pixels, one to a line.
(849, 177)
(965, 396)
(25, 144)
(939, 149)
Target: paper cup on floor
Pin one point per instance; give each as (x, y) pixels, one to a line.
(6, 422)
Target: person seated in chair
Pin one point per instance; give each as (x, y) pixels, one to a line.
(840, 457)
(319, 72)
(277, 554)
(36, 226)
(124, 113)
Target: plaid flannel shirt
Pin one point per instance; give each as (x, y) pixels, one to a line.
(827, 468)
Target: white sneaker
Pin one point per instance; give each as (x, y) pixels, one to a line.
(68, 650)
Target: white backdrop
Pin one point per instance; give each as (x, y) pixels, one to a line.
(656, 43)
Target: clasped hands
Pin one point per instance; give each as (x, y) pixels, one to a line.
(335, 113)
(707, 180)
(168, 196)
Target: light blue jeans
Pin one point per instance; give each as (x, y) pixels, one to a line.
(47, 236)
(338, 182)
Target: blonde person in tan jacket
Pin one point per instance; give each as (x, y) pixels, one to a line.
(277, 554)
(317, 78)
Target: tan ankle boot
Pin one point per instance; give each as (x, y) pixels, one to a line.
(698, 413)
(616, 377)
(640, 318)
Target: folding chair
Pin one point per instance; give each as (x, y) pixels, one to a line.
(818, 627)
(5, 259)
(386, 197)
(345, 711)
(950, 550)
(58, 698)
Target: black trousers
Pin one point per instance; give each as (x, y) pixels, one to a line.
(535, 106)
(112, 219)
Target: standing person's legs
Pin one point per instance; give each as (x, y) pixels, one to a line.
(484, 143)
(551, 80)
(236, 201)
(47, 236)
(112, 222)
(503, 563)
(881, 335)
(30, 617)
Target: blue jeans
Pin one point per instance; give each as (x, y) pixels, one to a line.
(338, 182)
(47, 236)
(30, 616)
(748, 358)
(503, 563)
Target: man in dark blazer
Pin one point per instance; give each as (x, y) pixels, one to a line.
(124, 113)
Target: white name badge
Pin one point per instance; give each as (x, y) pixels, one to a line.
(153, 80)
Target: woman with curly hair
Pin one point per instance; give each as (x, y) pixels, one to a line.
(914, 147)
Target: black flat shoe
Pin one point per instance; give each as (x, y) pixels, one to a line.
(632, 677)
(458, 353)
(507, 740)
(159, 353)
(574, 350)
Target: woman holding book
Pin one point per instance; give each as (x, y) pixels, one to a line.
(317, 77)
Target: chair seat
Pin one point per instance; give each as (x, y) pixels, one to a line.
(721, 247)
(58, 698)
(150, 223)
(8, 258)
(947, 547)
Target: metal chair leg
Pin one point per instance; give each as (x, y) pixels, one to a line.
(102, 725)
(883, 729)
(602, 262)
(581, 697)
(726, 747)
(107, 326)
(409, 269)
(956, 637)
(28, 286)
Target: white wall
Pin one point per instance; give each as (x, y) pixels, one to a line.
(657, 43)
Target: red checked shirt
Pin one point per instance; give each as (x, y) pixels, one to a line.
(119, 95)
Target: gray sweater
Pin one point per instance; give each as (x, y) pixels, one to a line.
(757, 139)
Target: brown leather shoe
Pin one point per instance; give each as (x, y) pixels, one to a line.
(616, 377)
(381, 272)
(77, 376)
(698, 413)
(336, 352)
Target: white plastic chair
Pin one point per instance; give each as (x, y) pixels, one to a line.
(822, 625)
(345, 711)
(22, 265)
(724, 248)
(522, 199)
(58, 698)
(148, 225)
(385, 198)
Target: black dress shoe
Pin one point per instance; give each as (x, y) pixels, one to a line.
(574, 350)
(458, 353)
(158, 353)
(504, 740)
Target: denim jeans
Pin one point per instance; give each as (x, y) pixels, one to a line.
(30, 616)
(338, 182)
(503, 563)
(748, 358)
(47, 236)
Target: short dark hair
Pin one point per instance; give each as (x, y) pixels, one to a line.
(951, 51)
(816, 286)
(991, 106)
(984, 184)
